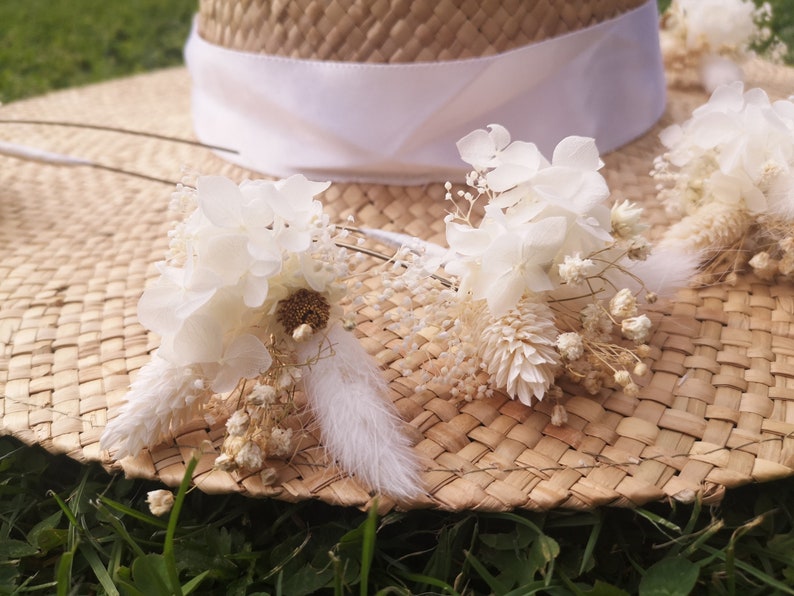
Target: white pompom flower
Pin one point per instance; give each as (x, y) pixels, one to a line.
(518, 350)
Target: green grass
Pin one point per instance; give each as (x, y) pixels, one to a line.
(51, 44)
(72, 529)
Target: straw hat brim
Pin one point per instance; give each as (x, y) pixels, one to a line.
(78, 247)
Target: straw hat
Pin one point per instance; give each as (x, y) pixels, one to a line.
(79, 245)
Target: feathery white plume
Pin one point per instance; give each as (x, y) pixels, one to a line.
(358, 425)
(161, 397)
(665, 271)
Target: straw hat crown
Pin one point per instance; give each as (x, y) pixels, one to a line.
(395, 31)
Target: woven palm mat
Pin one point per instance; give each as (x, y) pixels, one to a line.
(78, 246)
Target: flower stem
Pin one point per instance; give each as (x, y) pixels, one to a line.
(168, 547)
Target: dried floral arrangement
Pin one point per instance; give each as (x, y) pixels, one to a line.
(548, 281)
(728, 177)
(255, 305)
(248, 306)
(704, 42)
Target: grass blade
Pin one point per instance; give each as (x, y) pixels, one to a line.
(64, 573)
(65, 508)
(592, 540)
(658, 521)
(169, 555)
(431, 581)
(101, 573)
(368, 547)
(134, 513)
(768, 580)
(191, 585)
(705, 534)
(496, 586)
(119, 528)
(519, 520)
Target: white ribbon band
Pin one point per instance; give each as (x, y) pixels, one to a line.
(398, 123)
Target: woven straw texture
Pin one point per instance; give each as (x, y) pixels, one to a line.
(78, 246)
(395, 30)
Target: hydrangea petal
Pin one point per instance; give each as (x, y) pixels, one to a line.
(577, 152)
(246, 357)
(465, 240)
(507, 176)
(220, 200)
(227, 256)
(477, 148)
(200, 339)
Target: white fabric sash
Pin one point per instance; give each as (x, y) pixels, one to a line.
(398, 123)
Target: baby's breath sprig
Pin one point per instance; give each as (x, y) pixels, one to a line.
(255, 430)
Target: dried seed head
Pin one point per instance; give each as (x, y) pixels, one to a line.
(303, 307)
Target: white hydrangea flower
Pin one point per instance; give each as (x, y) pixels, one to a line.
(538, 212)
(515, 264)
(708, 39)
(734, 158)
(513, 163)
(717, 24)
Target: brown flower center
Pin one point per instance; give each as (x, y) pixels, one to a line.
(304, 307)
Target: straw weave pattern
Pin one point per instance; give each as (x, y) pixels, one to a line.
(716, 409)
(395, 30)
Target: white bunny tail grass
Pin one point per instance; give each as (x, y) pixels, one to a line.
(359, 427)
(161, 397)
(666, 270)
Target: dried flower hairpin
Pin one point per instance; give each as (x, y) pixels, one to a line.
(544, 284)
(704, 42)
(728, 174)
(248, 304)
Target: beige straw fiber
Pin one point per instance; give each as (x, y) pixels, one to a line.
(395, 30)
(78, 245)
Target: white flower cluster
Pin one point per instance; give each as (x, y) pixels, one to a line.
(251, 270)
(703, 40)
(538, 213)
(528, 271)
(729, 174)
